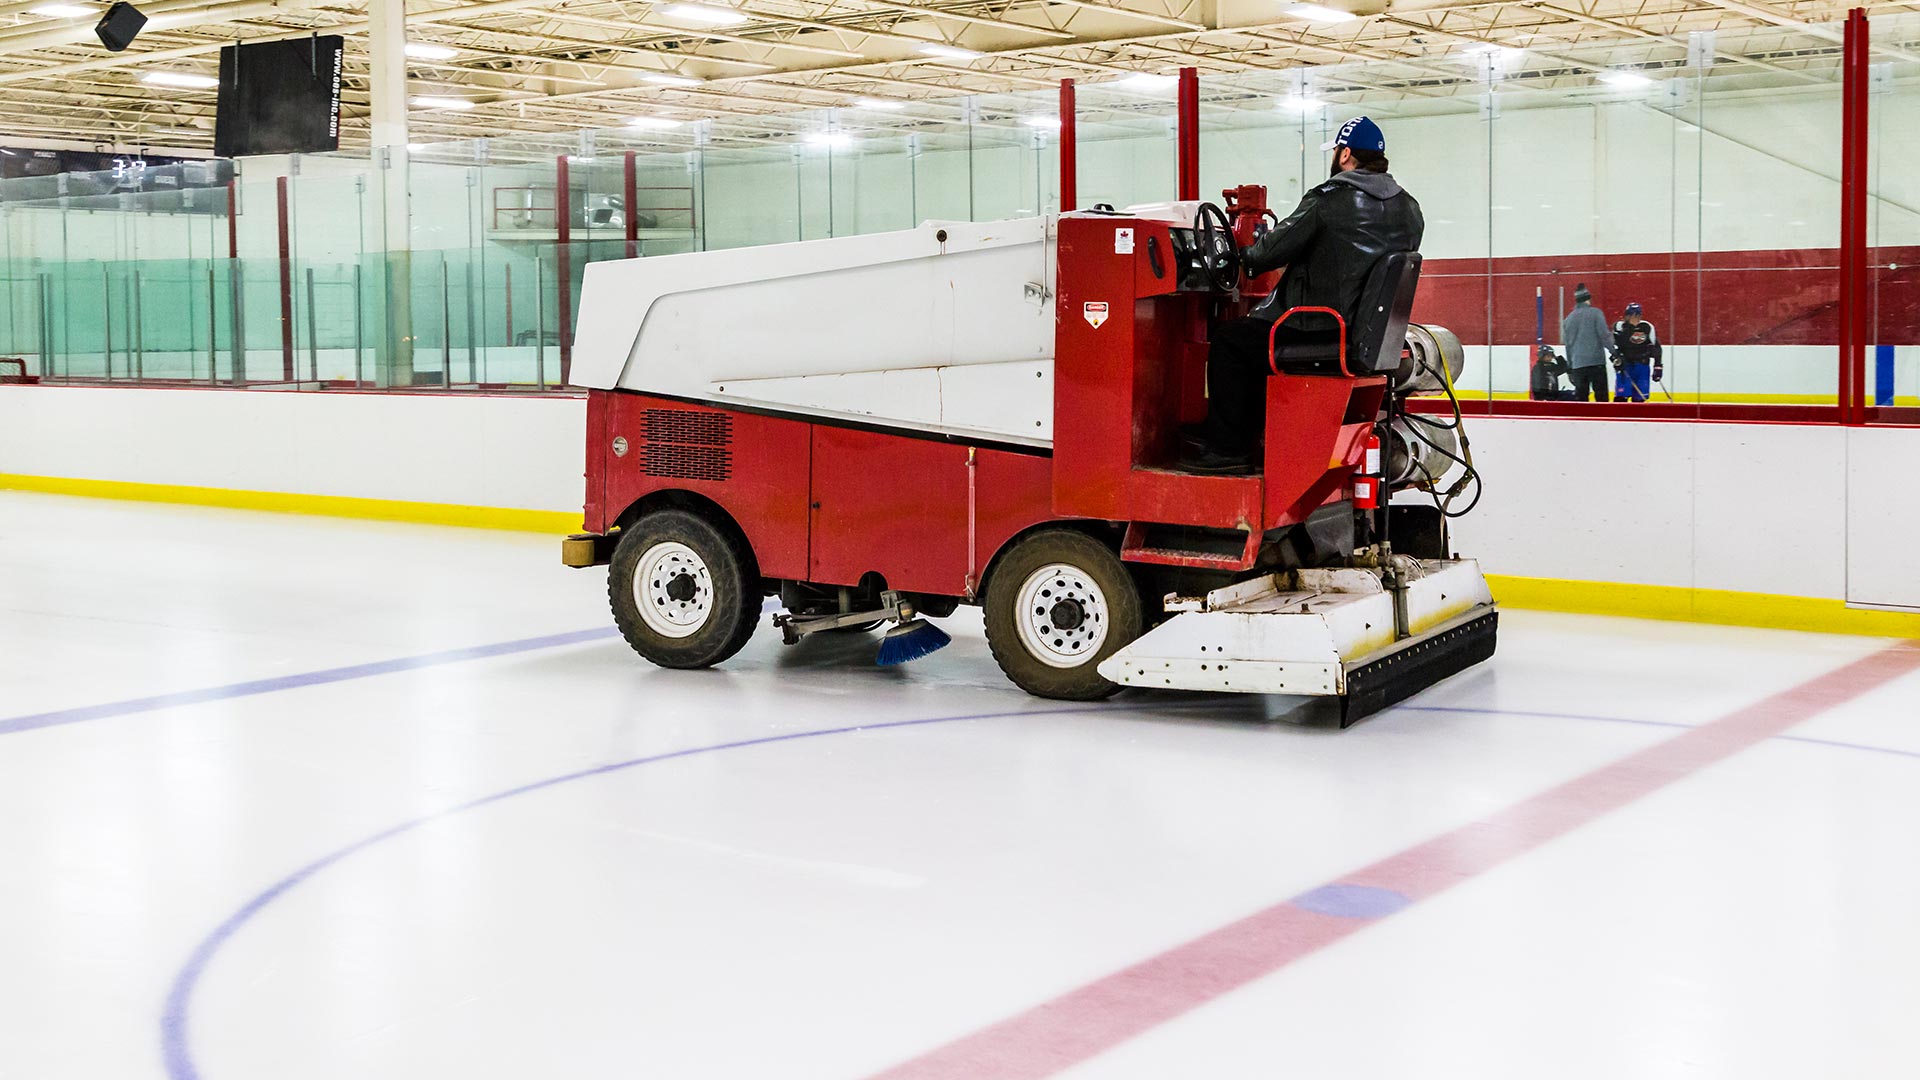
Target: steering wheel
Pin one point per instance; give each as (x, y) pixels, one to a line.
(1219, 255)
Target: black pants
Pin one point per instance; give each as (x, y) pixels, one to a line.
(1590, 379)
(1237, 373)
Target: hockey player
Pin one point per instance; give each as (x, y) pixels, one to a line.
(1544, 382)
(1636, 357)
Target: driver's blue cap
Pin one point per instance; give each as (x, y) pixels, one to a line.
(1359, 133)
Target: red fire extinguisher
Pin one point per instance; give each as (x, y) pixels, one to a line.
(1366, 485)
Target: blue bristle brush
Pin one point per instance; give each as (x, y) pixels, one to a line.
(911, 640)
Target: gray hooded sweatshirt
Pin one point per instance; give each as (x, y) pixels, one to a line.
(1586, 336)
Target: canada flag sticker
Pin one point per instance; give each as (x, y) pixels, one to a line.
(1096, 313)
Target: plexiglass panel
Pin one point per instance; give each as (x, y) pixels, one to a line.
(1769, 227)
(1893, 225)
(1694, 176)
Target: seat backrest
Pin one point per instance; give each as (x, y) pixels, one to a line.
(1379, 327)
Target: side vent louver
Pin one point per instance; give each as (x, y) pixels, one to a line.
(689, 428)
(687, 445)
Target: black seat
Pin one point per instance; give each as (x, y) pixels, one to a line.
(1375, 332)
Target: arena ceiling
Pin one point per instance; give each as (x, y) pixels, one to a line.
(510, 67)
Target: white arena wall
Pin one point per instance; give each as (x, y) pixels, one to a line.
(473, 450)
(1780, 509)
(1674, 513)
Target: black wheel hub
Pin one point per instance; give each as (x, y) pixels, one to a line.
(681, 588)
(1067, 615)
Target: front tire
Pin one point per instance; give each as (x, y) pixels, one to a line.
(683, 589)
(1060, 602)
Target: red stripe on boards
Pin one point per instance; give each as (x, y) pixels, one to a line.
(1787, 296)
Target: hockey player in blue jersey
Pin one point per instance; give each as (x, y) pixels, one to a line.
(1636, 358)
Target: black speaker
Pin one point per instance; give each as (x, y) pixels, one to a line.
(119, 25)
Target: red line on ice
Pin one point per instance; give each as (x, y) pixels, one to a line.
(1058, 1034)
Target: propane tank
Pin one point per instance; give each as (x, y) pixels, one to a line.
(1429, 350)
(1415, 452)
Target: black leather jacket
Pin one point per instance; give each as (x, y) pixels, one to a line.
(1330, 243)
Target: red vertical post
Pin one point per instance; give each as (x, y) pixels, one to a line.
(286, 282)
(563, 217)
(1189, 133)
(235, 291)
(1853, 219)
(1844, 376)
(510, 340)
(1857, 83)
(233, 219)
(1069, 151)
(629, 197)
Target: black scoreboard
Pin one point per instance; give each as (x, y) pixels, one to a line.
(280, 97)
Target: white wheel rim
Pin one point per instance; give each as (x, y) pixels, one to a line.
(1062, 616)
(673, 590)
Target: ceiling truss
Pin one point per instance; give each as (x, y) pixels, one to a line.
(528, 66)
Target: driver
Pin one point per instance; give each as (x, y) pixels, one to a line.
(1328, 244)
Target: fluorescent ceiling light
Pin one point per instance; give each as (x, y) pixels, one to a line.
(1625, 79)
(1148, 81)
(830, 138)
(951, 52)
(1048, 122)
(443, 103)
(1301, 104)
(420, 50)
(416, 147)
(181, 79)
(1320, 14)
(701, 13)
(671, 80)
(660, 123)
(61, 11)
(878, 103)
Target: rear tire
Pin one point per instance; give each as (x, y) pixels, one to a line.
(1060, 602)
(683, 589)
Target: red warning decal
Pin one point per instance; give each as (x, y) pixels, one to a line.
(1095, 312)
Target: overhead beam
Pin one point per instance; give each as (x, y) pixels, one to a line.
(1476, 39)
(1108, 9)
(1776, 17)
(73, 31)
(977, 20)
(1649, 35)
(714, 35)
(128, 59)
